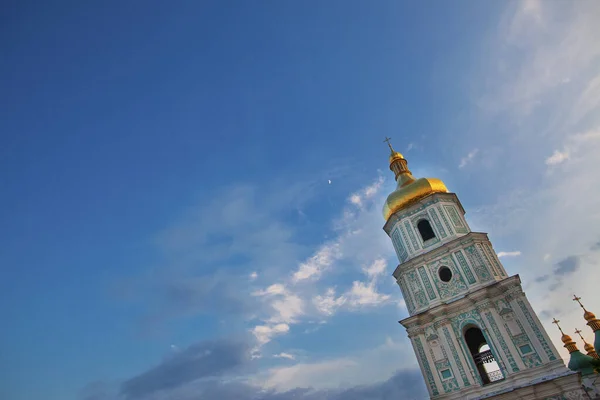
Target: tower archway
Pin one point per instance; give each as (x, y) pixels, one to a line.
(482, 355)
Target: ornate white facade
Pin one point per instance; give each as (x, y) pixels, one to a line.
(473, 330)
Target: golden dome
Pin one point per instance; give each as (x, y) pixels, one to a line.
(410, 192)
(395, 156)
(408, 189)
(566, 339)
(588, 315)
(588, 347)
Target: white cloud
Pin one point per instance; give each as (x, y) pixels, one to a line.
(274, 289)
(509, 254)
(287, 309)
(264, 333)
(557, 157)
(328, 303)
(285, 355)
(365, 294)
(308, 375)
(363, 367)
(573, 146)
(253, 276)
(285, 305)
(321, 260)
(366, 193)
(361, 294)
(373, 189)
(468, 159)
(358, 239)
(376, 268)
(356, 199)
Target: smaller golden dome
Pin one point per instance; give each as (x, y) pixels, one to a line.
(588, 315)
(588, 347)
(396, 156)
(566, 339)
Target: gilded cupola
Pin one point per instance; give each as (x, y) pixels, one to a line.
(408, 189)
(589, 348)
(578, 361)
(592, 322)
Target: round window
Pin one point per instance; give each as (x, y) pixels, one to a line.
(445, 274)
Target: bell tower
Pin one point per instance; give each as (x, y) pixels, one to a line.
(472, 328)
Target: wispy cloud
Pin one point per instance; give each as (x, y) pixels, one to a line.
(361, 294)
(468, 158)
(299, 296)
(365, 294)
(219, 370)
(557, 157)
(375, 269)
(316, 264)
(207, 359)
(360, 368)
(509, 254)
(264, 333)
(285, 355)
(327, 304)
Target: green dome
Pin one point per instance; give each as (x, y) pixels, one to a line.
(597, 340)
(581, 363)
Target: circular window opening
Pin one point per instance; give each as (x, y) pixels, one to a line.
(445, 274)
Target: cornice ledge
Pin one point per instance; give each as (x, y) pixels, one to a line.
(482, 297)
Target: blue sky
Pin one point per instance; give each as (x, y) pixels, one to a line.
(168, 224)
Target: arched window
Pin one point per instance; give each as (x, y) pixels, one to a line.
(425, 230)
(482, 356)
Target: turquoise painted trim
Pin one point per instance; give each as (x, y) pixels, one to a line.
(398, 246)
(494, 259)
(436, 221)
(427, 283)
(502, 342)
(492, 345)
(482, 251)
(448, 384)
(537, 331)
(410, 306)
(419, 209)
(459, 227)
(465, 267)
(525, 349)
(443, 215)
(479, 266)
(457, 326)
(417, 289)
(461, 369)
(405, 237)
(411, 234)
(456, 285)
(529, 360)
(425, 364)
